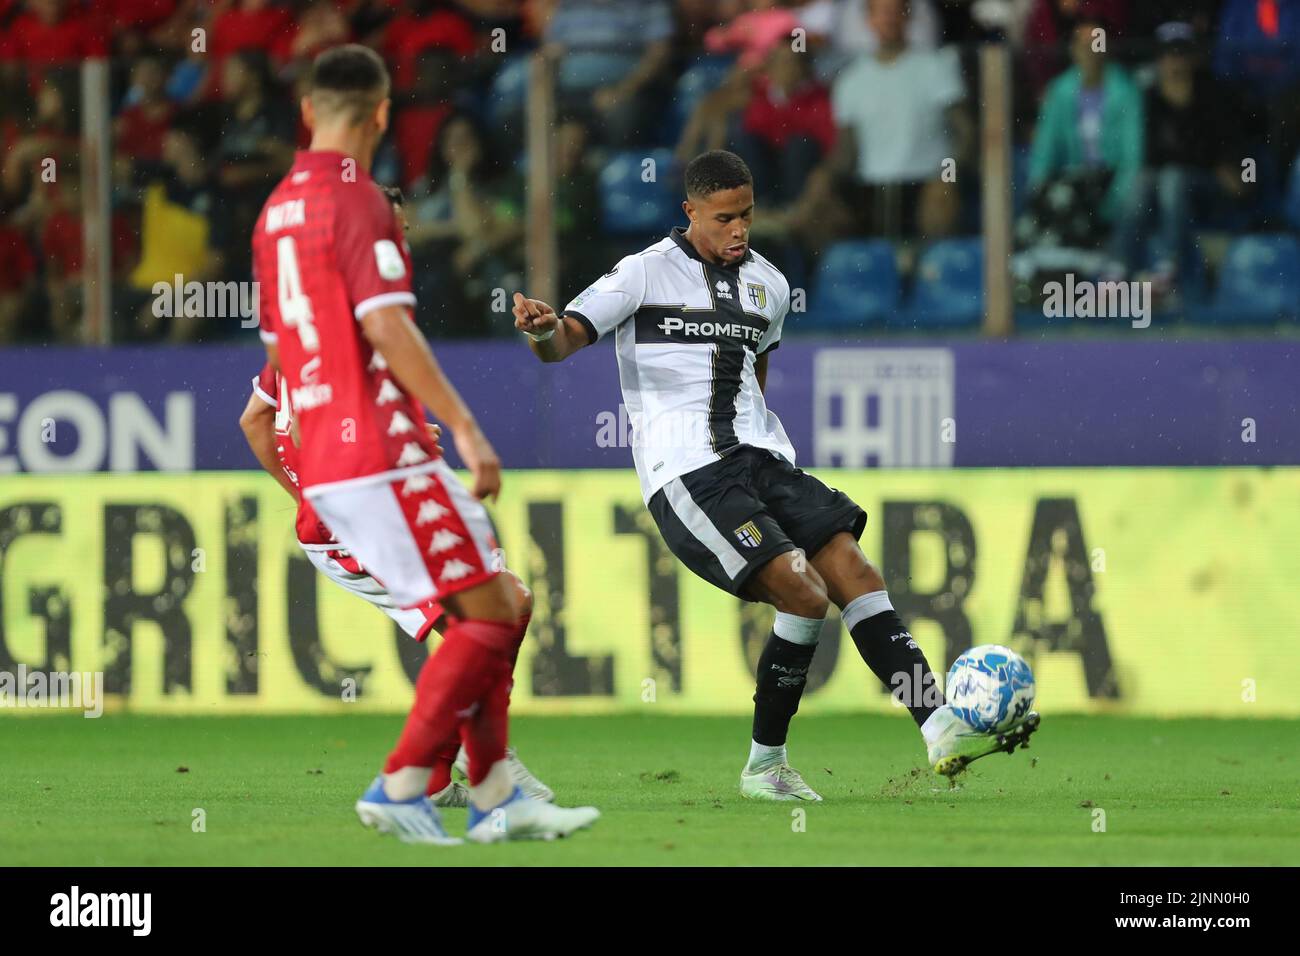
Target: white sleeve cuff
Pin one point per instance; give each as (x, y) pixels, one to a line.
(257, 390)
(379, 301)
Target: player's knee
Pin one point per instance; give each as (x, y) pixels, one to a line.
(806, 598)
(872, 579)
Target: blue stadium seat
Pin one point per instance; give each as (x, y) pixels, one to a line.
(630, 206)
(856, 284)
(1259, 282)
(949, 288)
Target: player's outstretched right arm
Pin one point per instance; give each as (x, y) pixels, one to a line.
(552, 338)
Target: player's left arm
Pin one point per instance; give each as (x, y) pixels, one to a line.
(760, 372)
(258, 424)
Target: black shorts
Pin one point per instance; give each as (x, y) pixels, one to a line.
(726, 520)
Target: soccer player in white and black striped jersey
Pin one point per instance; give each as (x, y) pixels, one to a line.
(695, 319)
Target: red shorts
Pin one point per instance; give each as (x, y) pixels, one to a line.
(422, 534)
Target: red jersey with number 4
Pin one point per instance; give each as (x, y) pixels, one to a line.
(327, 251)
(270, 388)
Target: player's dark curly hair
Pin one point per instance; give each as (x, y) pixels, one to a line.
(714, 171)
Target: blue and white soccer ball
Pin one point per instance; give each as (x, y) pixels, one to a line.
(991, 688)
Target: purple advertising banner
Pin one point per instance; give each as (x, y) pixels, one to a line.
(931, 404)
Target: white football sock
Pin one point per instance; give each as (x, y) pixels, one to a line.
(494, 789)
(934, 724)
(761, 756)
(407, 783)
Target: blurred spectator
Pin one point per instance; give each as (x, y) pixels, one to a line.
(785, 124)
(849, 31)
(61, 250)
(577, 205)
(1091, 120)
(465, 228)
(1050, 29)
(765, 25)
(506, 15)
(1147, 17)
(48, 33)
(428, 25)
(320, 26)
(131, 21)
(420, 114)
(52, 134)
(899, 118)
(1259, 45)
(613, 58)
(1193, 150)
(138, 130)
(249, 25)
(255, 148)
(1258, 51)
(17, 278)
(179, 233)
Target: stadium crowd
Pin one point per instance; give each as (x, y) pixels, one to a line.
(1151, 138)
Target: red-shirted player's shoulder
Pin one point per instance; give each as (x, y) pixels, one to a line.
(363, 198)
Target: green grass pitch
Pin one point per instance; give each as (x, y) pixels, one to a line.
(279, 791)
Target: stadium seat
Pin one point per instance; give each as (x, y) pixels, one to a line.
(856, 284)
(1259, 282)
(949, 287)
(630, 206)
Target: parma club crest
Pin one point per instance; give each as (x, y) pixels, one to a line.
(757, 294)
(749, 535)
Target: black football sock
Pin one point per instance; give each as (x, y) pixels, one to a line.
(782, 675)
(893, 656)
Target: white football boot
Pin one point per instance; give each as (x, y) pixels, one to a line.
(453, 795)
(522, 817)
(776, 782)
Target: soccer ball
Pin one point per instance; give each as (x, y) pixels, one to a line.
(991, 688)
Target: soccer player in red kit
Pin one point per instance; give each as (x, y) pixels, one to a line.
(335, 295)
(268, 425)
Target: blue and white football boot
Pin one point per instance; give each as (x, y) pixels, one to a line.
(521, 817)
(411, 821)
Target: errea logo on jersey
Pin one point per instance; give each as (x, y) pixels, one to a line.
(724, 289)
(389, 260)
(733, 330)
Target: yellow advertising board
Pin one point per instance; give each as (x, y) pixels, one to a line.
(1145, 591)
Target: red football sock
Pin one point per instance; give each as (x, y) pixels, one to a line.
(486, 733)
(468, 664)
(443, 762)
